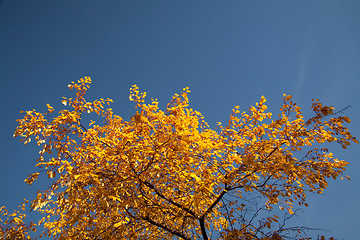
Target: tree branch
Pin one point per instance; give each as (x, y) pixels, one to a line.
(192, 213)
(177, 233)
(203, 230)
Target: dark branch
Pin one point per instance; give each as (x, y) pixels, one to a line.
(167, 199)
(177, 233)
(203, 230)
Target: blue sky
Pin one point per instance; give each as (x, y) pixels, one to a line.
(228, 52)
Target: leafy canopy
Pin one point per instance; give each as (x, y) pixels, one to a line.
(167, 174)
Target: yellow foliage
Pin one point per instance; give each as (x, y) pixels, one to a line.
(167, 174)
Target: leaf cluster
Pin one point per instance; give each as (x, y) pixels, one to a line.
(167, 174)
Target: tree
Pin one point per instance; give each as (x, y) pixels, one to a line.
(168, 175)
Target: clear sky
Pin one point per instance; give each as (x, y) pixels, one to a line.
(228, 52)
